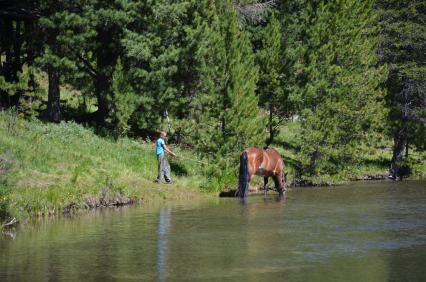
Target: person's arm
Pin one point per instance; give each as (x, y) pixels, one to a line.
(168, 150)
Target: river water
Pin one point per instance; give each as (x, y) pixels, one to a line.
(359, 232)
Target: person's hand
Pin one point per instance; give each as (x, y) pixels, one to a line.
(173, 154)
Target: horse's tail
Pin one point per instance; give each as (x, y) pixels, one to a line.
(243, 177)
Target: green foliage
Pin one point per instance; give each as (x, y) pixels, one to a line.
(54, 31)
(226, 117)
(159, 51)
(338, 84)
(12, 88)
(50, 167)
(5, 189)
(123, 101)
(27, 89)
(402, 32)
(218, 68)
(82, 42)
(270, 86)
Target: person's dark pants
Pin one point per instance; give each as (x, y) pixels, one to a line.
(163, 169)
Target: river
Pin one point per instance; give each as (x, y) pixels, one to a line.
(373, 231)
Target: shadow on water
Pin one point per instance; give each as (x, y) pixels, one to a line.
(272, 199)
(228, 194)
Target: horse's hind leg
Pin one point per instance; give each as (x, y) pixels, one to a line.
(265, 182)
(278, 185)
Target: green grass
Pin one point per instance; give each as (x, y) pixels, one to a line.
(46, 168)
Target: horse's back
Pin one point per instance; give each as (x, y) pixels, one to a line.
(264, 162)
(259, 154)
(254, 159)
(253, 151)
(276, 163)
(274, 154)
(254, 154)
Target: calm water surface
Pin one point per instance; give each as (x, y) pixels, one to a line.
(359, 232)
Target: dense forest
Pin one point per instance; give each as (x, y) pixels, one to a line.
(222, 75)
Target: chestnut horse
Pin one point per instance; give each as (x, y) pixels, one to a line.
(262, 162)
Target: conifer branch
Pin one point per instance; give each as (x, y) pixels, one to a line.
(92, 71)
(254, 12)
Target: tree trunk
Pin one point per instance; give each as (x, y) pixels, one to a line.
(102, 88)
(106, 59)
(53, 102)
(271, 127)
(400, 141)
(3, 48)
(15, 62)
(11, 41)
(6, 32)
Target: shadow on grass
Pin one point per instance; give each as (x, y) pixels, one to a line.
(285, 145)
(178, 169)
(381, 162)
(291, 162)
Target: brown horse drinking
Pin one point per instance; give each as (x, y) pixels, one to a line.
(266, 163)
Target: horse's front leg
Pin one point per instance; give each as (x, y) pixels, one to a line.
(265, 182)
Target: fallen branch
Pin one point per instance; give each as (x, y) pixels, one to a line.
(11, 223)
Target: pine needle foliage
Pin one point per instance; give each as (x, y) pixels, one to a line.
(402, 32)
(338, 93)
(227, 118)
(270, 88)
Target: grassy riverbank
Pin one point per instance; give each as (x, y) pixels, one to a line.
(49, 168)
(372, 161)
(55, 168)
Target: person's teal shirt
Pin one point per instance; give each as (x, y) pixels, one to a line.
(159, 146)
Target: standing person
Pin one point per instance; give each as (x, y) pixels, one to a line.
(163, 164)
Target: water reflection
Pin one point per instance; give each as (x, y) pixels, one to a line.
(374, 232)
(163, 227)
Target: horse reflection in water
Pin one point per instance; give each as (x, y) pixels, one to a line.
(262, 162)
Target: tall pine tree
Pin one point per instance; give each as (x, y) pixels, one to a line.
(53, 57)
(227, 117)
(88, 33)
(402, 29)
(336, 83)
(269, 58)
(159, 49)
(17, 49)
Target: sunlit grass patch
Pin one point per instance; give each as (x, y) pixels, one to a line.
(57, 166)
